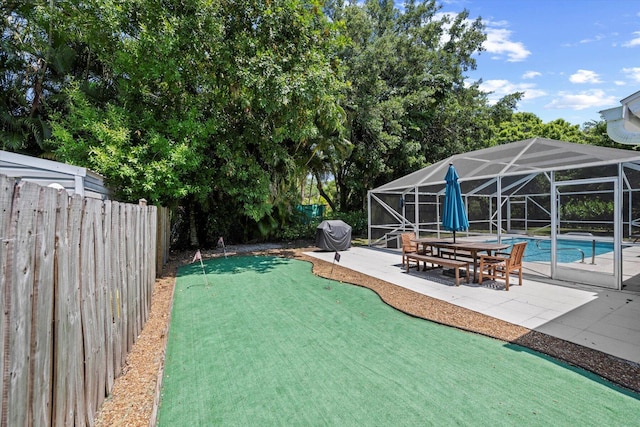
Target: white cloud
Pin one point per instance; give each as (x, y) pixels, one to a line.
(598, 37)
(619, 83)
(531, 74)
(632, 73)
(581, 100)
(634, 41)
(500, 88)
(498, 42)
(585, 76)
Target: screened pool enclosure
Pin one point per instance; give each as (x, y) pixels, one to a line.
(565, 197)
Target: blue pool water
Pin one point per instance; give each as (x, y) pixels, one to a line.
(568, 250)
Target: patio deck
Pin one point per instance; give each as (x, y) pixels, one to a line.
(598, 318)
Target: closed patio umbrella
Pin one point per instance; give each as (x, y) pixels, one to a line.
(454, 217)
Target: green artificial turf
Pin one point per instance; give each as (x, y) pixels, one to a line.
(268, 343)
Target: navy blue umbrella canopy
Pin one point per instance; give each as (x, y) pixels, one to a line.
(454, 217)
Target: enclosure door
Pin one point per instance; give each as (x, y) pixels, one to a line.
(585, 239)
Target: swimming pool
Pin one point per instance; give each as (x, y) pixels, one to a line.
(539, 250)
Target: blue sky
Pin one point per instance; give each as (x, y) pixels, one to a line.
(571, 58)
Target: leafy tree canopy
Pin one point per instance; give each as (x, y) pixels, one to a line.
(407, 103)
(226, 108)
(213, 102)
(521, 126)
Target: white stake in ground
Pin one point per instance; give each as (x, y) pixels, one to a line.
(197, 256)
(221, 243)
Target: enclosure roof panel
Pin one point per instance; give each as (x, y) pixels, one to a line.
(534, 155)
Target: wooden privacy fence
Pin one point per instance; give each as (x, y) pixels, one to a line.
(77, 276)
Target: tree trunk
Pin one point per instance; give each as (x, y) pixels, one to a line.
(324, 195)
(193, 230)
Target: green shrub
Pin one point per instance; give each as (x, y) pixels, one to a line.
(301, 228)
(356, 219)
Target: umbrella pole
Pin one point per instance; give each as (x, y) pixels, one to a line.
(452, 272)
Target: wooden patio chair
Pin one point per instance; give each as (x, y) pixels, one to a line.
(409, 247)
(500, 266)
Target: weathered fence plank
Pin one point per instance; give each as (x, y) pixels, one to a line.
(64, 393)
(124, 273)
(75, 315)
(108, 293)
(18, 303)
(118, 351)
(100, 302)
(90, 328)
(7, 186)
(136, 270)
(145, 247)
(42, 317)
(130, 280)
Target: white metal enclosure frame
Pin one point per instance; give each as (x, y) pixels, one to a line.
(501, 180)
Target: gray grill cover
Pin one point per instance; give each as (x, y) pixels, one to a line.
(333, 235)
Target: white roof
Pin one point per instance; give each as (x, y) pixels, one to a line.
(534, 155)
(623, 123)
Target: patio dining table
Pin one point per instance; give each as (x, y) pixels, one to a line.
(473, 248)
